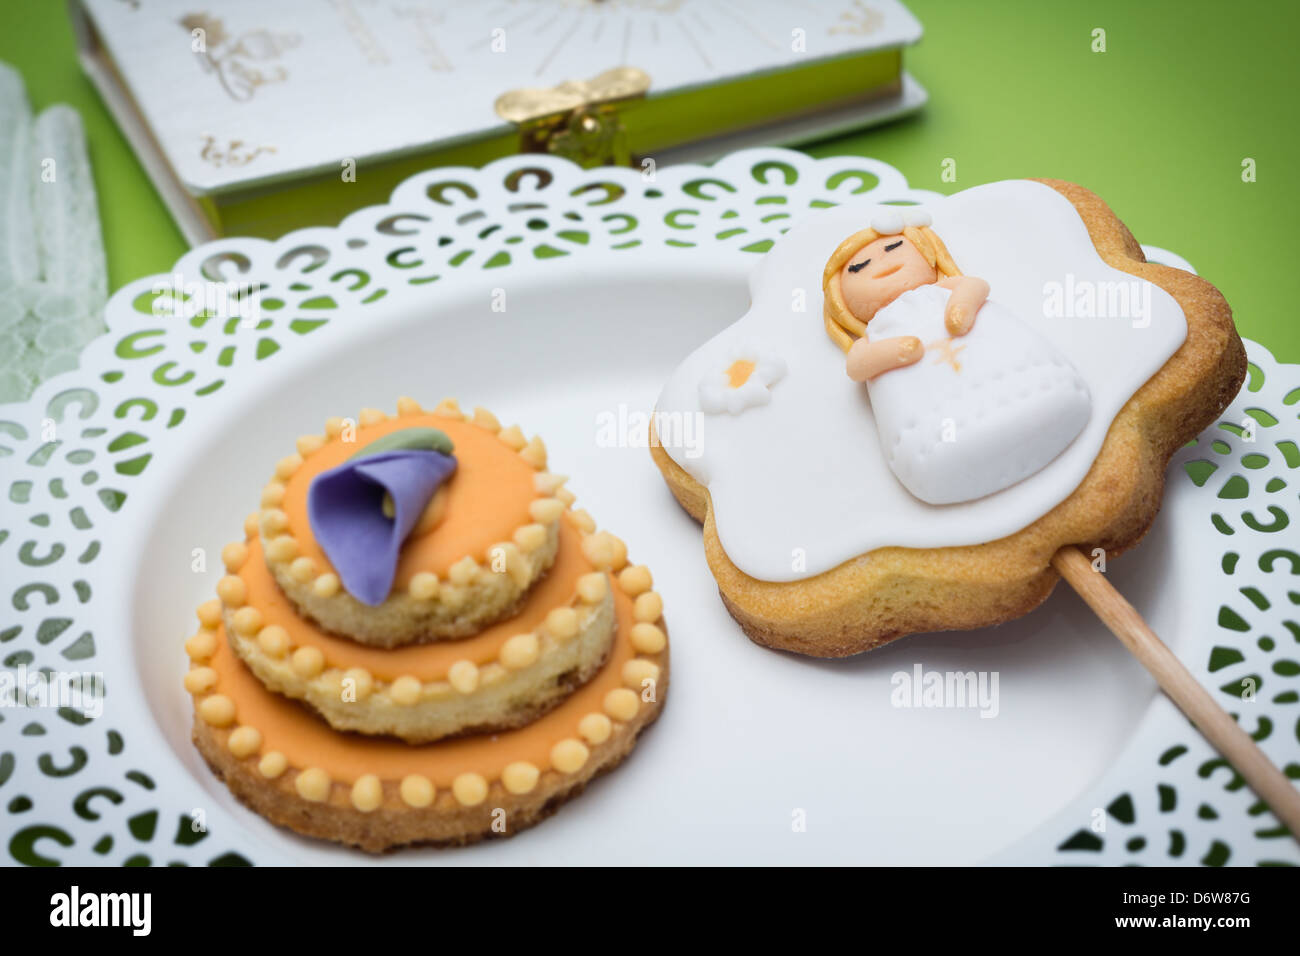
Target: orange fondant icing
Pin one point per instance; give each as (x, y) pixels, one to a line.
(487, 497)
(739, 371)
(307, 741)
(427, 662)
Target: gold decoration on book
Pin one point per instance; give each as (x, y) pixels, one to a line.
(860, 20)
(235, 153)
(578, 119)
(234, 60)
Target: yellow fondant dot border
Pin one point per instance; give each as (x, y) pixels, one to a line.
(569, 755)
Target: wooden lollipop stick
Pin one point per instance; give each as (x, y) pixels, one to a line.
(1218, 727)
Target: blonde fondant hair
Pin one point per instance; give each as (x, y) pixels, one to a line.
(843, 327)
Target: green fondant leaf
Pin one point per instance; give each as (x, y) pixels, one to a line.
(408, 439)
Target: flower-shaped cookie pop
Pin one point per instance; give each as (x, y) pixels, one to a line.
(969, 397)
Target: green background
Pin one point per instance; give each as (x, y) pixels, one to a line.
(1158, 125)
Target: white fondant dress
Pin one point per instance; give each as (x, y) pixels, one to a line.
(977, 413)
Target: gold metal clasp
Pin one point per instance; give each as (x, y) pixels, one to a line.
(578, 119)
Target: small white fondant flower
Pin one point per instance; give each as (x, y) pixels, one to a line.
(887, 222)
(744, 381)
(917, 216)
(890, 222)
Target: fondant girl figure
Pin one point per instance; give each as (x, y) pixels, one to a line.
(968, 399)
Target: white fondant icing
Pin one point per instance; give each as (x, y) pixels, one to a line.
(802, 484)
(977, 413)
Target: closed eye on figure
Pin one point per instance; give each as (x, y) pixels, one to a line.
(893, 245)
(859, 266)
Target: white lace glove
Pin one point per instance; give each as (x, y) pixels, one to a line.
(53, 277)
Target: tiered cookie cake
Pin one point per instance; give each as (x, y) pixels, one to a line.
(419, 640)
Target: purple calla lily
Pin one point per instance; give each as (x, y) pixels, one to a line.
(346, 508)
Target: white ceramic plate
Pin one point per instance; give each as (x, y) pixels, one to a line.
(759, 757)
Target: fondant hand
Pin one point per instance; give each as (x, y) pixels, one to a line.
(968, 294)
(866, 360)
